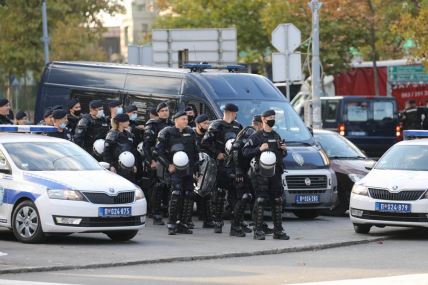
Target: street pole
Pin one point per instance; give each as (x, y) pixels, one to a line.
(45, 32)
(316, 80)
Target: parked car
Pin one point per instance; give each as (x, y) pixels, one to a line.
(394, 193)
(346, 160)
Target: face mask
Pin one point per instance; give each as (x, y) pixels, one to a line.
(133, 117)
(78, 112)
(62, 125)
(270, 123)
(190, 118)
(100, 114)
(119, 110)
(202, 130)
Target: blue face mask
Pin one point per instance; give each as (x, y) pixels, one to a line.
(62, 125)
(119, 110)
(133, 117)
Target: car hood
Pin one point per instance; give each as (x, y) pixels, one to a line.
(349, 166)
(305, 157)
(96, 180)
(396, 179)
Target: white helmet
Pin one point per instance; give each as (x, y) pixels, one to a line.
(140, 148)
(180, 160)
(98, 147)
(126, 159)
(267, 163)
(229, 144)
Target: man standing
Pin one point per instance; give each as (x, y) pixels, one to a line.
(4, 112)
(218, 134)
(136, 129)
(74, 114)
(411, 117)
(60, 122)
(191, 116)
(268, 149)
(178, 152)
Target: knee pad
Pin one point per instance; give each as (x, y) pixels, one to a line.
(176, 193)
(277, 201)
(260, 201)
(246, 197)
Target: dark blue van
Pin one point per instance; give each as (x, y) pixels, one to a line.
(309, 183)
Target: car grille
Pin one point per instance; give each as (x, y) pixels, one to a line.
(383, 194)
(111, 222)
(102, 198)
(306, 192)
(298, 181)
(394, 217)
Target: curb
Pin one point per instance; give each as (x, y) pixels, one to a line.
(189, 258)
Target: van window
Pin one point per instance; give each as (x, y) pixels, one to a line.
(383, 110)
(357, 111)
(87, 96)
(201, 108)
(153, 84)
(143, 105)
(330, 111)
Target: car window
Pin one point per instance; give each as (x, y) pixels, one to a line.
(357, 111)
(50, 156)
(405, 157)
(337, 146)
(383, 110)
(4, 165)
(330, 110)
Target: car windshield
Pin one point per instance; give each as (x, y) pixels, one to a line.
(288, 124)
(337, 146)
(49, 156)
(405, 157)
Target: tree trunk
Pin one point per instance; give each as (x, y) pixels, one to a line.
(372, 39)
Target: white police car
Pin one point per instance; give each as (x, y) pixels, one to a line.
(50, 185)
(394, 193)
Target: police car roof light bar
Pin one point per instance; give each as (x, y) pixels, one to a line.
(414, 134)
(27, 129)
(201, 67)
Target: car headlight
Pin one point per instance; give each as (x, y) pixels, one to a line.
(355, 177)
(360, 190)
(324, 157)
(139, 194)
(65, 195)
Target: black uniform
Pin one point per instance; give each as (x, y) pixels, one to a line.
(115, 143)
(5, 120)
(89, 130)
(151, 131)
(170, 141)
(411, 118)
(65, 134)
(137, 132)
(267, 188)
(214, 142)
(72, 122)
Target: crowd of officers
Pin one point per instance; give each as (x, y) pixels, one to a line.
(414, 117)
(165, 158)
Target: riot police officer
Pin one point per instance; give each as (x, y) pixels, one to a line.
(74, 114)
(411, 117)
(151, 131)
(119, 148)
(267, 149)
(191, 116)
(178, 152)
(47, 118)
(21, 118)
(4, 112)
(91, 127)
(136, 129)
(60, 122)
(115, 108)
(219, 133)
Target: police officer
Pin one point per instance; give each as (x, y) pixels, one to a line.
(74, 114)
(242, 180)
(218, 134)
(411, 118)
(136, 129)
(60, 122)
(191, 116)
(201, 126)
(178, 152)
(91, 127)
(151, 131)
(267, 149)
(21, 118)
(4, 112)
(119, 148)
(115, 108)
(47, 118)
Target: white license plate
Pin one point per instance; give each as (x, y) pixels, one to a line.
(114, 212)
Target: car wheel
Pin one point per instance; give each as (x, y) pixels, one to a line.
(121, 235)
(26, 223)
(362, 229)
(307, 214)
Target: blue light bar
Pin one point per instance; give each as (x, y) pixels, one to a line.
(200, 67)
(27, 129)
(414, 134)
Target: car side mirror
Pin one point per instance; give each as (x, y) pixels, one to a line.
(104, 165)
(369, 165)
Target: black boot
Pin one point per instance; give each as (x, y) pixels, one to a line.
(218, 211)
(182, 228)
(156, 201)
(188, 212)
(266, 229)
(173, 212)
(208, 213)
(258, 214)
(246, 228)
(238, 218)
(278, 231)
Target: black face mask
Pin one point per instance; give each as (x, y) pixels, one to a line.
(78, 112)
(190, 118)
(270, 123)
(202, 130)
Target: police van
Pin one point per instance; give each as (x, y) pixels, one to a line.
(309, 183)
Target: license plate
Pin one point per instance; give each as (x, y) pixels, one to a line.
(357, 133)
(393, 207)
(114, 212)
(307, 199)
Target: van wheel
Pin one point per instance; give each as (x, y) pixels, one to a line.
(121, 235)
(307, 214)
(26, 223)
(362, 229)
